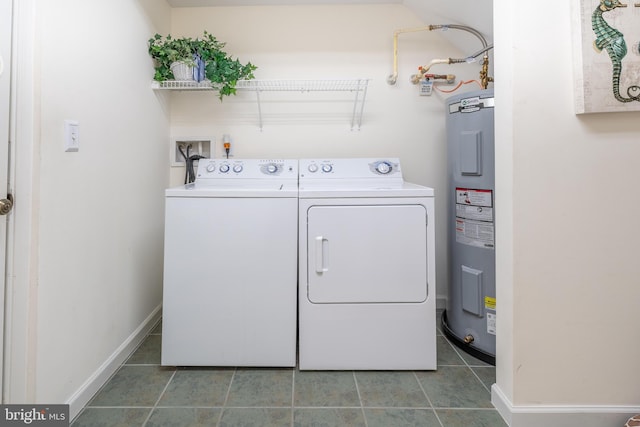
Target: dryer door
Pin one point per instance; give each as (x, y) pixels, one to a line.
(367, 254)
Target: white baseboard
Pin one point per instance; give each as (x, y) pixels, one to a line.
(83, 395)
(560, 416)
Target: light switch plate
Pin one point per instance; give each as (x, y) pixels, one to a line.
(71, 136)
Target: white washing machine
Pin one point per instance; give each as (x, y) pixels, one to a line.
(366, 294)
(230, 271)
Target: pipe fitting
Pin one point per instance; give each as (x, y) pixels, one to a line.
(393, 78)
(468, 339)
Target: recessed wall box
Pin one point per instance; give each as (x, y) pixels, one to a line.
(204, 146)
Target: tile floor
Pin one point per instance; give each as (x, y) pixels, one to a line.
(143, 393)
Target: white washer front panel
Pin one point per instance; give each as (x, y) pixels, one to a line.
(230, 280)
(367, 254)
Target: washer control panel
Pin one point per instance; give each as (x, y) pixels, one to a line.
(246, 168)
(350, 168)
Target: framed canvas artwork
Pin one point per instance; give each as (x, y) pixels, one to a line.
(606, 55)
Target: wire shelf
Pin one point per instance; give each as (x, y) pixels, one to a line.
(183, 85)
(303, 85)
(357, 86)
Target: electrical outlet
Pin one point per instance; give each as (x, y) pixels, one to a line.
(204, 146)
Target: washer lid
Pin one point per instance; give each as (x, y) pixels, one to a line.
(236, 188)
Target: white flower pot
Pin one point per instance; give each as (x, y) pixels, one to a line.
(182, 71)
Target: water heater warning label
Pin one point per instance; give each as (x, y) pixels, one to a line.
(491, 323)
(470, 197)
(474, 218)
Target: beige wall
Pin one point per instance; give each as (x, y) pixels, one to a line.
(567, 251)
(98, 213)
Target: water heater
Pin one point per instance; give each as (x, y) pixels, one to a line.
(470, 318)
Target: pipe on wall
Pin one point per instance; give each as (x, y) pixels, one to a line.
(393, 78)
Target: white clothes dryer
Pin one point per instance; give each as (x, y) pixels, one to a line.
(366, 294)
(230, 271)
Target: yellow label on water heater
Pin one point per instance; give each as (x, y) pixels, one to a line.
(489, 303)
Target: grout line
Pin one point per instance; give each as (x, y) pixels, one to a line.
(159, 398)
(479, 379)
(454, 408)
(141, 364)
(226, 397)
(428, 399)
(469, 366)
(364, 415)
(293, 394)
(120, 407)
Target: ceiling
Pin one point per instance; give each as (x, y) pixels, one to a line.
(475, 13)
(198, 3)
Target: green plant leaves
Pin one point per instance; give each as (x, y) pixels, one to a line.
(220, 68)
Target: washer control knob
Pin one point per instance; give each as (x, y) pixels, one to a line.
(327, 168)
(272, 168)
(384, 168)
(224, 168)
(313, 168)
(237, 168)
(211, 167)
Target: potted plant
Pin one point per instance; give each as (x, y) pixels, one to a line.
(205, 55)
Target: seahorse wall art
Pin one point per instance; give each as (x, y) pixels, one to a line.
(612, 40)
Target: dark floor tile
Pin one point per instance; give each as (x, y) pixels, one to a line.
(111, 417)
(197, 387)
(487, 375)
(454, 387)
(184, 417)
(157, 329)
(390, 389)
(261, 387)
(328, 417)
(470, 418)
(439, 322)
(148, 353)
(384, 417)
(472, 361)
(262, 417)
(134, 386)
(333, 388)
(447, 355)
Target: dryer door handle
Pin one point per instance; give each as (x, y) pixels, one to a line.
(322, 247)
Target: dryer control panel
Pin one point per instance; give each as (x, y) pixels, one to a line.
(356, 168)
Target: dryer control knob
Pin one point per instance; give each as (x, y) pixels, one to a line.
(327, 168)
(384, 168)
(237, 168)
(224, 168)
(313, 168)
(272, 168)
(211, 167)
